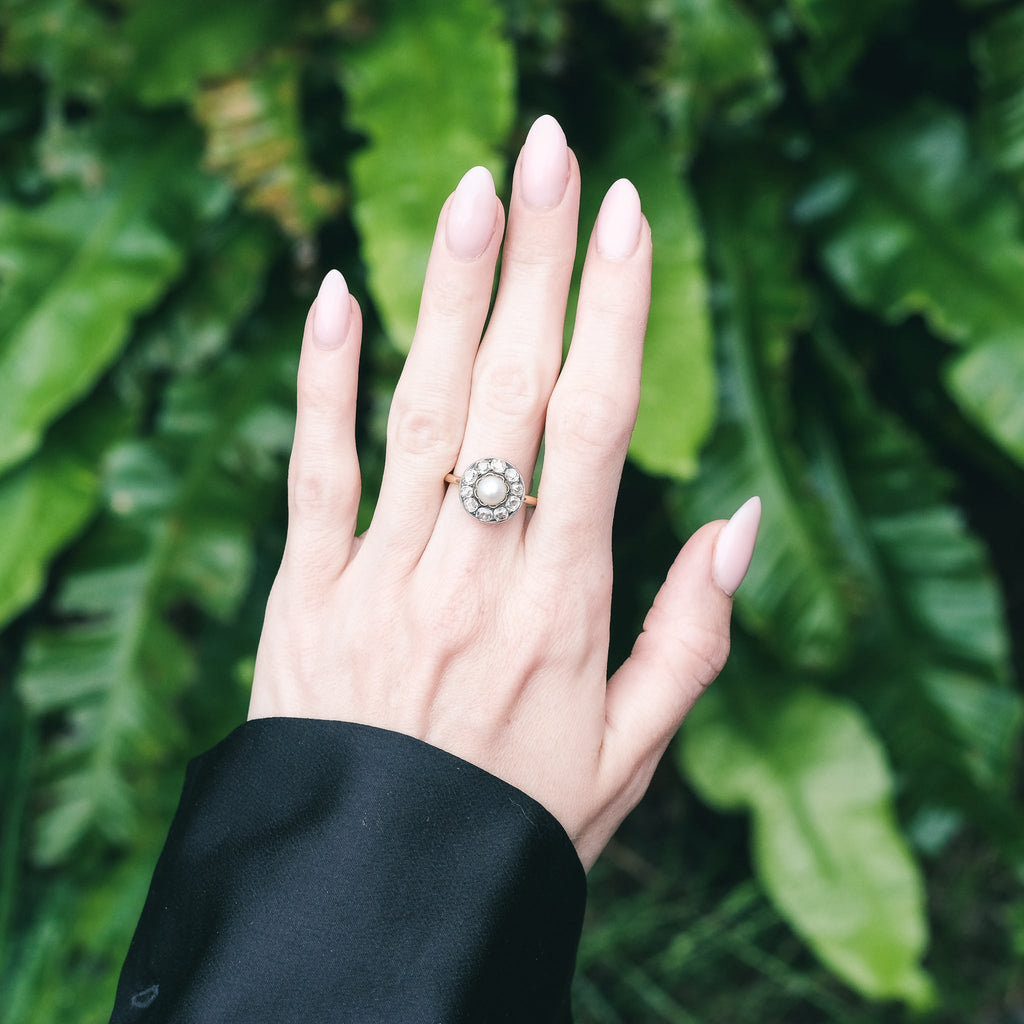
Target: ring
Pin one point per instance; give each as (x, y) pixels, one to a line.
(491, 490)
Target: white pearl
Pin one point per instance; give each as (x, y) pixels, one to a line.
(491, 490)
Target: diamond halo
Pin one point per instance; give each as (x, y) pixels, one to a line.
(492, 490)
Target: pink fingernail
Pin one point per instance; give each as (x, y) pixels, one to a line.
(735, 546)
(618, 223)
(471, 215)
(330, 315)
(544, 171)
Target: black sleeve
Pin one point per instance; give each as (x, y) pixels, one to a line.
(324, 871)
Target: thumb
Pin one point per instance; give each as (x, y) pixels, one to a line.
(683, 646)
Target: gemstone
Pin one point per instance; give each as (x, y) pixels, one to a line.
(485, 515)
(513, 503)
(471, 504)
(518, 490)
(466, 490)
(491, 490)
(500, 515)
(512, 474)
(470, 476)
(497, 465)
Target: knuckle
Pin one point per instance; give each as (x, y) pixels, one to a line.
(511, 387)
(704, 649)
(447, 297)
(420, 428)
(588, 418)
(310, 492)
(622, 312)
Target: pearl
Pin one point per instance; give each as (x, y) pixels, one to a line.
(491, 490)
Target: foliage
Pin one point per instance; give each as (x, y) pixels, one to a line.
(835, 192)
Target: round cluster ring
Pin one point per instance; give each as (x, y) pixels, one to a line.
(491, 490)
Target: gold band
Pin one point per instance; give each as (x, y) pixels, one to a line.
(451, 478)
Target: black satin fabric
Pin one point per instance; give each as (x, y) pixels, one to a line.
(325, 871)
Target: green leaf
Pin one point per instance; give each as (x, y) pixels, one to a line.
(987, 383)
(713, 64)
(184, 504)
(933, 666)
(89, 671)
(74, 272)
(57, 39)
(998, 52)
(721, 54)
(825, 842)
(433, 90)
(795, 594)
(196, 322)
(255, 138)
(839, 33)
(42, 505)
(910, 220)
(677, 401)
(177, 45)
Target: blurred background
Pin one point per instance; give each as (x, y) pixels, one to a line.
(835, 191)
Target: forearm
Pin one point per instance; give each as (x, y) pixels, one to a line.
(328, 871)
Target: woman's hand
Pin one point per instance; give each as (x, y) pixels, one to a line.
(490, 640)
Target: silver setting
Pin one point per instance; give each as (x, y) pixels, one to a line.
(492, 490)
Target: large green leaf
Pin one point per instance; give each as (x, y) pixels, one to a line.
(910, 220)
(677, 401)
(74, 272)
(42, 505)
(826, 846)
(934, 660)
(433, 91)
(183, 506)
(795, 593)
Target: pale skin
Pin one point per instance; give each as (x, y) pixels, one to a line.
(490, 641)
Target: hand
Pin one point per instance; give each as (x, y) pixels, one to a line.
(491, 640)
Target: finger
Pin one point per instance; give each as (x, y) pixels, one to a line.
(682, 648)
(520, 357)
(593, 407)
(428, 413)
(323, 473)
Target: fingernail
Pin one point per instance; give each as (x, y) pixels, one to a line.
(618, 223)
(735, 546)
(544, 171)
(471, 214)
(330, 315)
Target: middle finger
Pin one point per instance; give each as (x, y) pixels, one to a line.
(519, 359)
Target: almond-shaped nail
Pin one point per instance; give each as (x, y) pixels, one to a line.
(618, 223)
(330, 315)
(735, 546)
(544, 170)
(471, 215)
